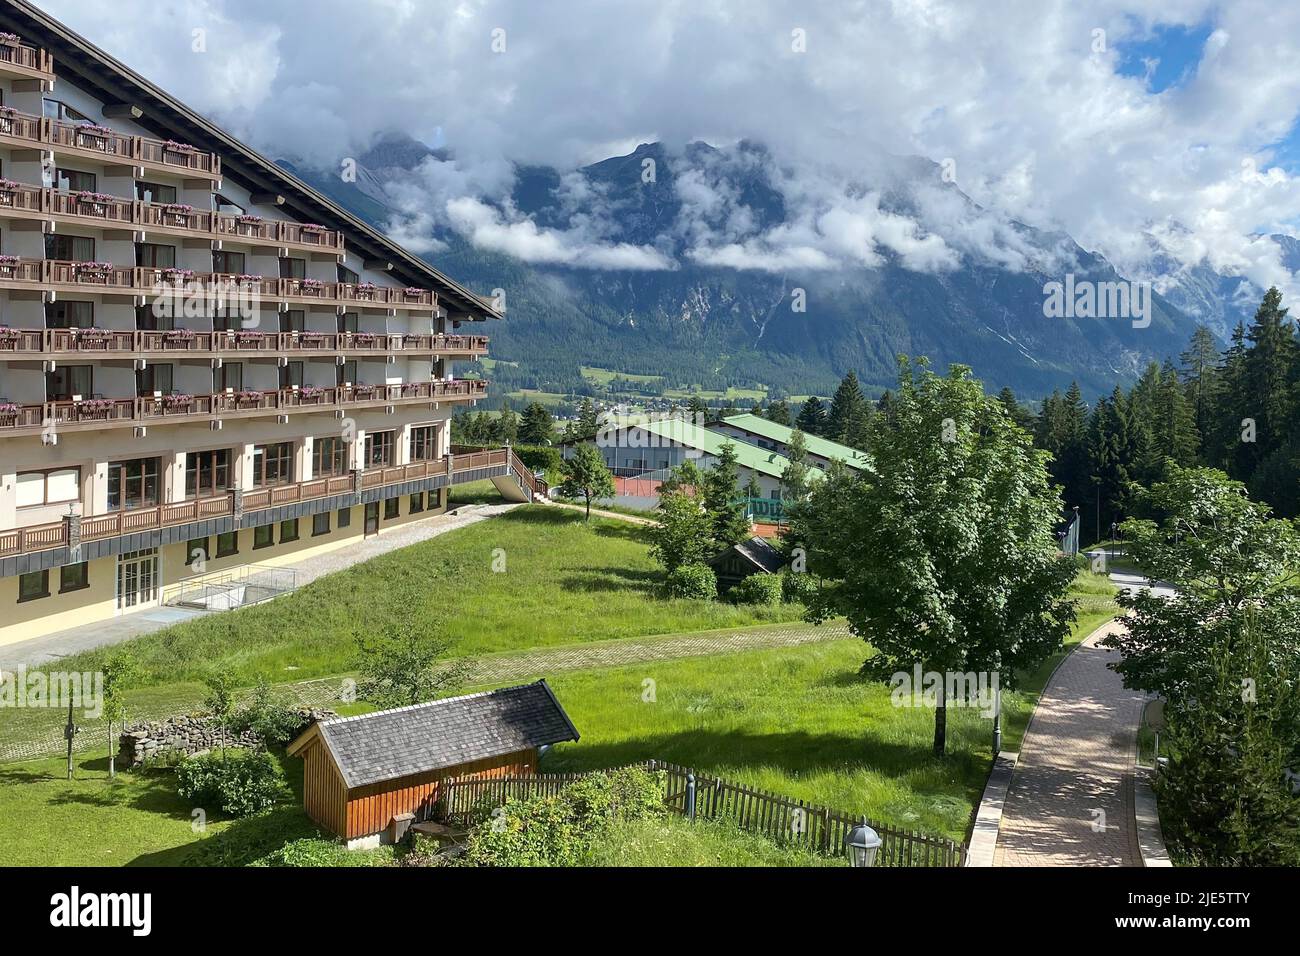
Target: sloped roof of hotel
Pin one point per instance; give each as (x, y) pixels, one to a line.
(815, 444)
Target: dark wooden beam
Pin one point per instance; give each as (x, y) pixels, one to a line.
(383, 265)
(266, 199)
(122, 111)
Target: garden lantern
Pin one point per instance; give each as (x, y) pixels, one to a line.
(862, 844)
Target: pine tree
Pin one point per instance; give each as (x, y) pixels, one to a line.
(1271, 368)
(720, 498)
(1201, 372)
(847, 418)
(537, 426)
(588, 420)
(812, 417)
(507, 425)
(779, 412)
(1174, 432)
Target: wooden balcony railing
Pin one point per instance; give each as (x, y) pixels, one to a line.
(96, 527)
(38, 273)
(31, 201)
(92, 412)
(17, 59)
(181, 343)
(109, 145)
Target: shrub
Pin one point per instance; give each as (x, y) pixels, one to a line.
(268, 718)
(757, 589)
(540, 457)
(312, 851)
(560, 830)
(797, 587)
(693, 581)
(239, 782)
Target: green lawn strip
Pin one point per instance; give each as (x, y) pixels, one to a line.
(153, 702)
(564, 582)
(474, 493)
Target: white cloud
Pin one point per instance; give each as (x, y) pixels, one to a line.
(1042, 129)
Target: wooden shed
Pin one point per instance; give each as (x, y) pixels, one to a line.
(364, 777)
(755, 556)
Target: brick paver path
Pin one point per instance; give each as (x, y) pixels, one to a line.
(47, 740)
(1071, 799)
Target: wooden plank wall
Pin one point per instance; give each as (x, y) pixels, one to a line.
(324, 796)
(370, 809)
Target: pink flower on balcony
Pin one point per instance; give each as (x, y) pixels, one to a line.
(86, 195)
(93, 268)
(8, 410)
(9, 185)
(248, 397)
(179, 335)
(178, 147)
(412, 290)
(364, 338)
(311, 391)
(248, 218)
(249, 278)
(94, 406)
(177, 275)
(178, 400)
(311, 285)
(249, 335)
(313, 227)
(94, 129)
(10, 39)
(181, 208)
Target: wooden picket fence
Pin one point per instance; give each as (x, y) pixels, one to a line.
(779, 818)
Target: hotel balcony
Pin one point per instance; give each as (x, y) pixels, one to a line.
(21, 62)
(27, 344)
(105, 145)
(88, 413)
(81, 530)
(82, 277)
(23, 201)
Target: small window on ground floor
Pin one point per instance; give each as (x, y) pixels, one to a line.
(227, 544)
(417, 503)
(34, 585)
(392, 508)
(264, 536)
(345, 517)
(320, 524)
(74, 577)
(289, 530)
(196, 552)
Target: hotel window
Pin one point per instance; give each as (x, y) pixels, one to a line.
(320, 524)
(69, 248)
(154, 378)
(345, 274)
(424, 443)
(288, 530)
(37, 488)
(227, 544)
(295, 320)
(196, 551)
(273, 464)
(67, 314)
(74, 577)
(207, 473)
(291, 375)
(231, 262)
(379, 449)
(69, 380)
(345, 517)
(133, 484)
(293, 268)
(263, 536)
(33, 586)
(329, 456)
(221, 204)
(417, 503)
(147, 320)
(155, 255)
(348, 322)
(229, 376)
(155, 192)
(74, 180)
(392, 508)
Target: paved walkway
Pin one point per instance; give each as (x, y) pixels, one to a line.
(1071, 796)
(489, 669)
(42, 650)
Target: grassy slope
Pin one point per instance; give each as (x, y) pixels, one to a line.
(563, 583)
(674, 842)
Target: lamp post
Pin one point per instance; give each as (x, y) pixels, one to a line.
(862, 844)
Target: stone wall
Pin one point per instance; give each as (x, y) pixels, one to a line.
(181, 736)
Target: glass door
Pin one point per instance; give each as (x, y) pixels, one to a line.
(137, 579)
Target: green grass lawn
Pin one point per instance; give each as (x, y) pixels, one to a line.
(564, 582)
(672, 841)
(474, 493)
(135, 819)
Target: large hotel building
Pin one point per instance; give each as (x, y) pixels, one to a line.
(205, 365)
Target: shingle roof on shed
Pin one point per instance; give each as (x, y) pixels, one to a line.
(396, 743)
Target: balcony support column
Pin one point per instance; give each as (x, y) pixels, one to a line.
(72, 535)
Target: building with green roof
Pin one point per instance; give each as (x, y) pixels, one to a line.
(769, 436)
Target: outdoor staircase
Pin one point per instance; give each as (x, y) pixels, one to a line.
(519, 484)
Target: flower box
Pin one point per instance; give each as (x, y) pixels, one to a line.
(178, 401)
(248, 219)
(8, 335)
(413, 291)
(248, 398)
(179, 336)
(310, 392)
(177, 275)
(92, 336)
(313, 227)
(94, 406)
(8, 411)
(178, 147)
(249, 336)
(364, 338)
(87, 196)
(311, 283)
(9, 185)
(10, 39)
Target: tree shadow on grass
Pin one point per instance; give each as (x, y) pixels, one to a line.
(644, 582)
(240, 842)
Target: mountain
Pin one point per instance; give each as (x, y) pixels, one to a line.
(948, 279)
